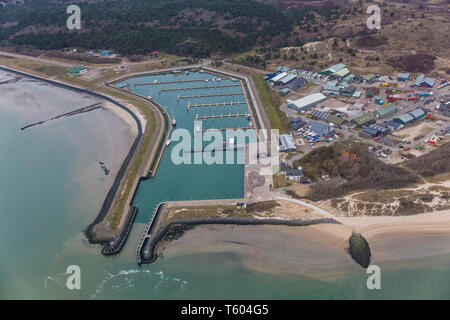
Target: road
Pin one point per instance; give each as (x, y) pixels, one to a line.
(311, 206)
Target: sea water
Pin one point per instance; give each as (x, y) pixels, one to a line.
(51, 188)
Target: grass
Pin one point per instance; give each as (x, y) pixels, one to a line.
(279, 181)
(277, 118)
(132, 173)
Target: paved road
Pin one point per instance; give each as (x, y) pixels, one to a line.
(306, 204)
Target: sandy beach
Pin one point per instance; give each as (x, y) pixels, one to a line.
(319, 250)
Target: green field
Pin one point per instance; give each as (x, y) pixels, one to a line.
(270, 100)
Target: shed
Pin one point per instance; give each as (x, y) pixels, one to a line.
(402, 76)
(333, 69)
(77, 70)
(335, 119)
(417, 114)
(363, 119)
(307, 102)
(385, 111)
(404, 119)
(348, 90)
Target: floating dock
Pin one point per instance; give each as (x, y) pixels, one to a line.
(196, 96)
(156, 82)
(221, 116)
(224, 129)
(214, 104)
(239, 146)
(200, 88)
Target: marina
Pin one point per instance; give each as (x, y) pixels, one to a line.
(156, 82)
(221, 116)
(197, 96)
(200, 88)
(217, 104)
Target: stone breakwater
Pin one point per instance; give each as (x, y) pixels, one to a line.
(147, 251)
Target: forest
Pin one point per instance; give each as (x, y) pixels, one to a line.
(196, 28)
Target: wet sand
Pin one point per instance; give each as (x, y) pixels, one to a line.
(319, 250)
(112, 129)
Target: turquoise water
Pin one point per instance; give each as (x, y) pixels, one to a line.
(192, 181)
(51, 188)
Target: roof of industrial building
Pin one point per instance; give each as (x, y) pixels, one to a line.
(288, 78)
(294, 173)
(332, 86)
(417, 113)
(335, 119)
(394, 125)
(405, 118)
(386, 110)
(403, 75)
(369, 77)
(75, 69)
(287, 142)
(342, 73)
(319, 128)
(279, 77)
(350, 89)
(357, 94)
(335, 68)
(418, 80)
(363, 119)
(319, 114)
(309, 100)
(429, 81)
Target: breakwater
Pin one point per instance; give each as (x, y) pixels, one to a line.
(107, 203)
(147, 251)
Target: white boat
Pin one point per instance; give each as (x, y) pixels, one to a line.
(168, 142)
(174, 122)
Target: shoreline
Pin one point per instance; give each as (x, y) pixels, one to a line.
(107, 245)
(318, 250)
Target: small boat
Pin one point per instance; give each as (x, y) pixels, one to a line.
(155, 81)
(174, 122)
(168, 142)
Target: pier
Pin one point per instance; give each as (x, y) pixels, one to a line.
(156, 82)
(194, 96)
(221, 116)
(214, 104)
(224, 129)
(229, 147)
(201, 87)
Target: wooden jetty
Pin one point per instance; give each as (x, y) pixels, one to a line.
(156, 82)
(200, 87)
(221, 116)
(214, 104)
(194, 96)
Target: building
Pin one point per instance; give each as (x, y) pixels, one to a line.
(335, 119)
(333, 69)
(297, 123)
(277, 78)
(316, 114)
(348, 90)
(291, 76)
(385, 111)
(422, 81)
(307, 102)
(297, 83)
(394, 126)
(287, 143)
(363, 119)
(285, 91)
(417, 114)
(375, 130)
(294, 174)
(342, 73)
(320, 129)
(369, 77)
(154, 53)
(402, 76)
(331, 88)
(357, 94)
(372, 91)
(404, 119)
(76, 70)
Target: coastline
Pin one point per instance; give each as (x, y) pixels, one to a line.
(93, 238)
(318, 250)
